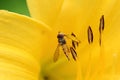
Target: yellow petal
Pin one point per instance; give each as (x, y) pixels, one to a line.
(105, 59)
(20, 46)
(45, 10)
(68, 17)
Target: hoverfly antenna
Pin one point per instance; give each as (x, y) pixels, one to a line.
(58, 32)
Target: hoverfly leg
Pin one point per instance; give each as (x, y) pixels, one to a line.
(73, 52)
(73, 34)
(77, 43)
(66, 51)
(73, 44)
(66, 55)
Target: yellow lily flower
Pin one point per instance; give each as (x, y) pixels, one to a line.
(25, 41)
(95, 62)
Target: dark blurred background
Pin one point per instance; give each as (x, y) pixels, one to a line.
(18, 6)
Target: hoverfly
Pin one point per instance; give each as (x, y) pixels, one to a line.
(66, 49)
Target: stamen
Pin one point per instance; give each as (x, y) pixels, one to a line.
(101, 28)
(90, 35)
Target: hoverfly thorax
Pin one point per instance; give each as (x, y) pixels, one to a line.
(61, 39)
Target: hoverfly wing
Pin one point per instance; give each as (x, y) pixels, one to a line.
(73, 52)
(56, 54)
(75, 42)
(66, 51)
